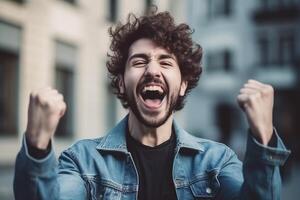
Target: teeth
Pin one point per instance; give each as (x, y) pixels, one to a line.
(153, 88)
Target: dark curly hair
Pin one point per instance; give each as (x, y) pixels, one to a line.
(161, 29)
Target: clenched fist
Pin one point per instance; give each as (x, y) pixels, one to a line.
(257, 99)
(46, 107)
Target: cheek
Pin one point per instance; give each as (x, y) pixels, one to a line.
(174, 79)
(131, 78)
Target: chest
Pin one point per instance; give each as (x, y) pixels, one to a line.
(123, 178)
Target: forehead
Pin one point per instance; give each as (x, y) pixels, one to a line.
(148, 47)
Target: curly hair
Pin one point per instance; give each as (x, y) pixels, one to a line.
(161, 29)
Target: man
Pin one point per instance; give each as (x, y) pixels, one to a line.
(154, 64)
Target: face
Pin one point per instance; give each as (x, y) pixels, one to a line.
(152, 82)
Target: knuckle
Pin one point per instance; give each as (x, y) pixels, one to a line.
(60, 96)
(268, 89)
(253, 97)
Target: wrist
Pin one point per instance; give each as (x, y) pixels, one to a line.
(37, 152)
(39, 141)
(263, 135)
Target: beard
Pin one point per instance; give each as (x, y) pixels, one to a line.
(153, 122)
(150, 121)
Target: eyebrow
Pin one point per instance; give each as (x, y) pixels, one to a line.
(166, 56)
(138, 55)
(145, 56)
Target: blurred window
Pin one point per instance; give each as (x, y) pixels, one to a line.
(148, 4)
(71, 1)
(227, 7)
(219, 8)
(286, 49)
(112, 15)
(220, 60)
(18, 1)
(286, 118)
(276, 4)
(64, 81)
(264, 51)
(10, 43)
(227, 57)
(225, 119)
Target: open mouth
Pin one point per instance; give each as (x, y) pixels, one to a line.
(153, 95)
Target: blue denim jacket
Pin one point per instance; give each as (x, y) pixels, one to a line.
(103, 169)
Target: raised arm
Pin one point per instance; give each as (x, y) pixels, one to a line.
(265, 151)
(37, 173)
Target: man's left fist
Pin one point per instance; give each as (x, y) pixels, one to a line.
(256, 100)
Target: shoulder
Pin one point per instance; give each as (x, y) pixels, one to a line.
(83, 147)
(213, 150)
(205, 144)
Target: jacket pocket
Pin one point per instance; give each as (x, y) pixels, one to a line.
(205, 186)
(104, 190)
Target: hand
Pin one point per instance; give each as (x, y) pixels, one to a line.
(46, 107)
(256, 100)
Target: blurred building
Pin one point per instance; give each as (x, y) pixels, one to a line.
(257, 39)
(62, 44)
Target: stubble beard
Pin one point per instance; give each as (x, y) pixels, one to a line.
(153, 122)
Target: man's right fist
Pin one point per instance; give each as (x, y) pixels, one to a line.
(46, 107)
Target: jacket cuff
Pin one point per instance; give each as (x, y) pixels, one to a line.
(276, 154)
(35, 165)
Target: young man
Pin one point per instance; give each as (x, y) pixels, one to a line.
(154, 64)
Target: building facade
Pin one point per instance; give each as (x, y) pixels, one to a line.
(244, 40)
(62, 44)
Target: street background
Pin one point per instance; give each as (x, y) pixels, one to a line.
(64, 43)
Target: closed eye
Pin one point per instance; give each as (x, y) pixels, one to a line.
(139, 63)
(166, 63)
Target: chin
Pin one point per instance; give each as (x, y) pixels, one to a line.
(153, 121)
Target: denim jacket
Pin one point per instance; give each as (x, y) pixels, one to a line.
(104, 169)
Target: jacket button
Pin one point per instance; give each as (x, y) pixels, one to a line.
(208, 190)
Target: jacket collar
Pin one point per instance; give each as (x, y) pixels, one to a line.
(115, 140)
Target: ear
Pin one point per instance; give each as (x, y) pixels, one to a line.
(121, 84)
(183, 87)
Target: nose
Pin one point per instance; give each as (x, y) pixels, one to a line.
(152, 69)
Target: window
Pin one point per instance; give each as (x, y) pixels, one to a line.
(288, 3)
(9, 58)
(18, 1)
(8, 94)
(225, 119)
(64, 80)
(71, 1)
(264, 4)
(276, 4)
(112, 15)
(286, 118)
(286, 49)
(279, 50)
(148, 4)
(220, 60)
(219, 8)
(227, 7)
(264, 51)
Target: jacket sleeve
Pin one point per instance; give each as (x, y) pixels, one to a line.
(260, 178)
(39, 179)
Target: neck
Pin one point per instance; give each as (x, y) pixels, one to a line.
(149, 136)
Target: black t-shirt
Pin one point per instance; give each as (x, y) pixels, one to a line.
(154, 166)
